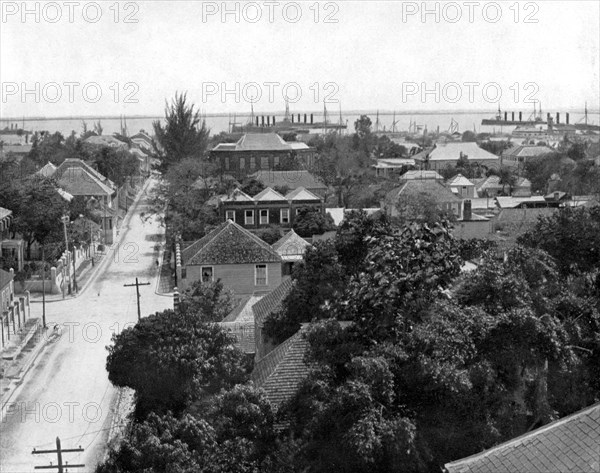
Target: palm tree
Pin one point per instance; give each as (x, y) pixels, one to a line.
(507, 178)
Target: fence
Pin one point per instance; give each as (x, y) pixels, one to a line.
(15, 317)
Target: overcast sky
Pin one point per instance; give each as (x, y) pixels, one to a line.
(377, 55)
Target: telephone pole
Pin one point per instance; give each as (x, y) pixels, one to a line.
(59, 453)
(137, 290)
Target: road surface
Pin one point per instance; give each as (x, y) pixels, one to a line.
(67, 392)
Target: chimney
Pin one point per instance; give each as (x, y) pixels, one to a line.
(556, 198)
(467, 211)
(520, 116)
(557, 118)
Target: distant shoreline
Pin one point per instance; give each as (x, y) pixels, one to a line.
(281, 113)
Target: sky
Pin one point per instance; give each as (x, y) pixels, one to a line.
(109, 58)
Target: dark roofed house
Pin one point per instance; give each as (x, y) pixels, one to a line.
(241, 260)
(262, 309)
(568, 445)
(268, 207)
(292, 180)
(258, 152)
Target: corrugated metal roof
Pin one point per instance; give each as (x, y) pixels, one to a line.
(268, 194)
(301, 194)
(452, 151)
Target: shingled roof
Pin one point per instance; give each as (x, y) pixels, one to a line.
(281, 372)
(568, 445)
(229, 244)
(271, 302)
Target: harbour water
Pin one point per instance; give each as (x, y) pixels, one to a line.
(219, 123)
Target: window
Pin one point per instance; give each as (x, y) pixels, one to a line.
(242, 163)
(252, 163)
(110, 223)
(264, 163)
(276, 161)
(230, 215)
(260, 275)
(183, 273)
(249, 217)
(227, 164)
(207, 273)
(285, 216)
(264, 217)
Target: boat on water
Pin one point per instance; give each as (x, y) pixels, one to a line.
(289, 123)
(536, 119)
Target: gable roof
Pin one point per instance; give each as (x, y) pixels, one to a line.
(567, 445)
(272, 301)
(237, 196)
(5, 278)
(300, 193)
(289, 179)
(74, 162)
(281, 371)
(243, 332)
(460, 180)
(291, 246)
(432, 187)
(268, 194)
(229, 244)
(452, 152)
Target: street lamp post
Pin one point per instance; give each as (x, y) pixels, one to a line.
(65, 219)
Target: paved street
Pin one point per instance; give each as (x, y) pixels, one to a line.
(67, 392)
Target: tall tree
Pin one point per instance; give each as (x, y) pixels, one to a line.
(184, 134)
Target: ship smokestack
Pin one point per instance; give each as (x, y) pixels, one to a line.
(567, 118)
(305, 118)
(262, 120)
(292, 118)
(273, 120)
(257, 121)
(311, 119)
(513, 116)
(557, 118)
(520, 116)
(505, 116)
(268, 120)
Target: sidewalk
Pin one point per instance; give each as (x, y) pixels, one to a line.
(166, 285)
(86, 271)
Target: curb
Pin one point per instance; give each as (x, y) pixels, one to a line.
(103, 263)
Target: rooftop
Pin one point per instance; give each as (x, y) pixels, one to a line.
(460, 180)
(568, 445)
(528, 151)
(291, 247)
(289, 179)
(281, 371)
(300, 193)
(432, 187)
(78, 181)
(5, 278)
(412, 175)
(229, 244)
(272, 301)
(256, 142)
(268, 194)
(452, 152)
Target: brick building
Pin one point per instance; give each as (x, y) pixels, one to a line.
(268, 207)
(260, 152)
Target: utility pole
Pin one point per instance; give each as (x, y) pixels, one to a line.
(59, 453)
(44, 286)
(65, 220)
(137, 290)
